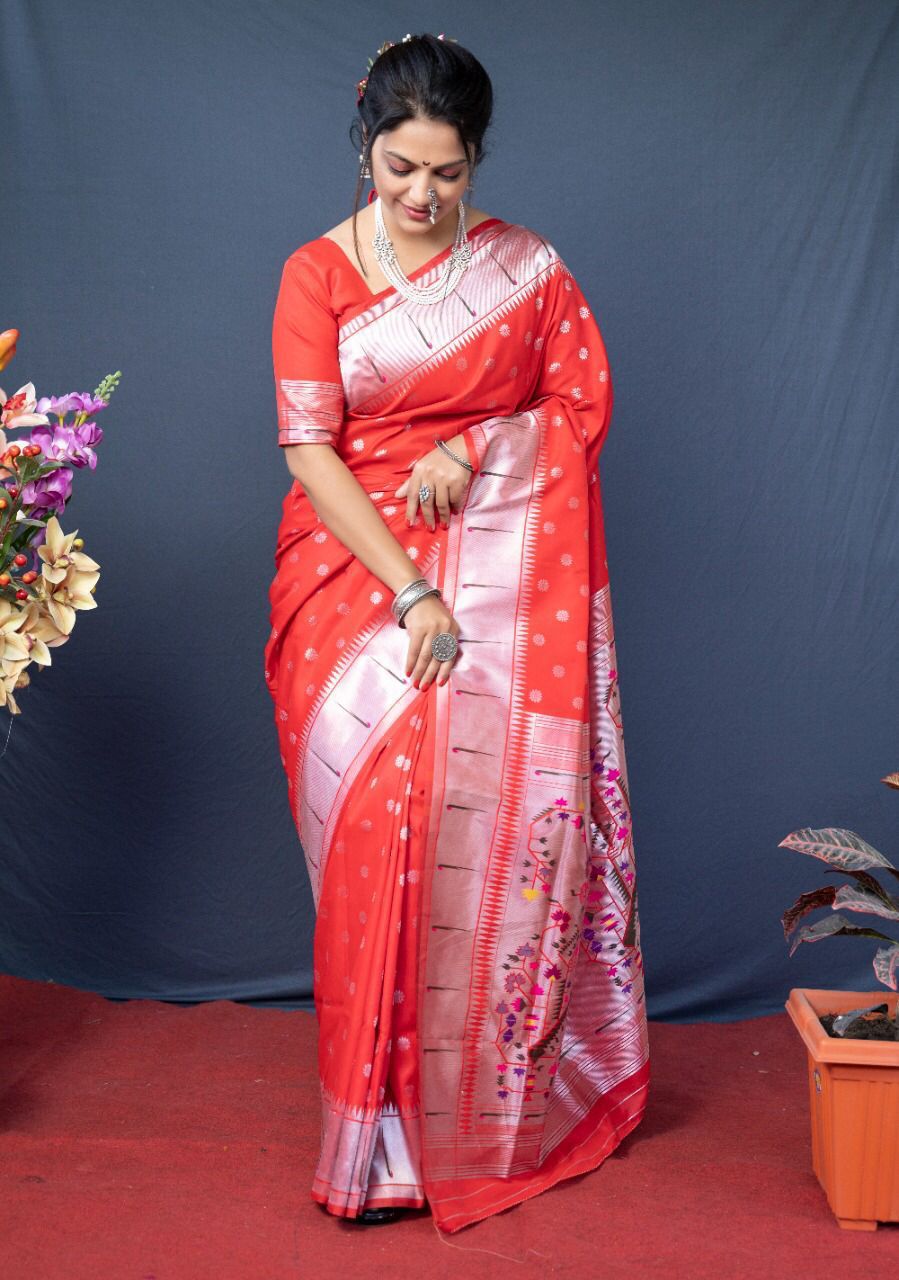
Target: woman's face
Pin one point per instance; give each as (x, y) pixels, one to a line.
(405, 162)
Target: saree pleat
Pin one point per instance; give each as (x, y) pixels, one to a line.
(365, 955)
(477, 967)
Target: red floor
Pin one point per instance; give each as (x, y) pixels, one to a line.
(143, 1141)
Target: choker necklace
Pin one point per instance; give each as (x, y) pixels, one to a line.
(459, 259)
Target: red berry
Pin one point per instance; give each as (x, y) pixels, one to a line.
(29, 577)
(4, 579)
(3, 504)
(20, 559)
(14, 450)
(21, 595)
(12, 490)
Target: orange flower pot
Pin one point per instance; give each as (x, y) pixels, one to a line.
(854, 1103)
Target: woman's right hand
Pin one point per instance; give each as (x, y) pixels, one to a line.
(425, 620)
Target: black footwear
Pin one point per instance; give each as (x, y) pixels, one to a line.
(387, 1214)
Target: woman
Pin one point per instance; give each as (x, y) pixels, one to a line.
(458, 780)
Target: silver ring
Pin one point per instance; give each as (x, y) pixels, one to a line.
(444, 646)
(424, 493)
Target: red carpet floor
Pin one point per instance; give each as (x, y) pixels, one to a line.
(145, 1141)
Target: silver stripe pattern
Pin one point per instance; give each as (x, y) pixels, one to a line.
(309, 412)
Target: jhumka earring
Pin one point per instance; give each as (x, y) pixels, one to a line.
(366, 168)
(432, 205)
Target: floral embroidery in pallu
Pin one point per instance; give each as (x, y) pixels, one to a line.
(491, 816)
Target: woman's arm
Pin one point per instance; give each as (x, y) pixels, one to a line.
(345, 508)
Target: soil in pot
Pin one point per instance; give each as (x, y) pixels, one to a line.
(875, 1025)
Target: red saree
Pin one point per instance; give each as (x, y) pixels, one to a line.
(478, 977)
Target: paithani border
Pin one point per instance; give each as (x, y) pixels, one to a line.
(352, 710)
(353, 1149)
(389, 347)
(604, 1040)
(511, 479)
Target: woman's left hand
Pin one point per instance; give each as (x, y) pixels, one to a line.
(447, 479)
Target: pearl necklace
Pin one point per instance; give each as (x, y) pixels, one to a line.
(459, 259)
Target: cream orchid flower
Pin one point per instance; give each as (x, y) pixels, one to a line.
(58, 556)
(6, 695)
(42, 630)
(11, 619)
(14, 652)
(74, 592)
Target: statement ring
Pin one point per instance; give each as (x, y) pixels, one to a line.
(424, 493)
(444, 646)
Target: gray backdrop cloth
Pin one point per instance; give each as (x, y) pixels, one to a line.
(722, 180)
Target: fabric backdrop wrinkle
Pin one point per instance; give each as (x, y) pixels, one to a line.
(722, 180)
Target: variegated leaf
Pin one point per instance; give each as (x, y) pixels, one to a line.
(854, 898)
(886, 966)
(804, 904)
(831, 927)
(868, 881)
(837, 846)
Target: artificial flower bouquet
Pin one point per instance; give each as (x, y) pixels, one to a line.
(45, 577)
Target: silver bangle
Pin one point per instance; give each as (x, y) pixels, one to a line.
(430, 591)
(410, 595)
(462, 461)
(407, 593)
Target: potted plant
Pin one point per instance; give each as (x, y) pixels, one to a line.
(851, 1037)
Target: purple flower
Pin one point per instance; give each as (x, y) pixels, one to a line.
(68, 444)
(60, 405)
(89, 433)
(91, 404)
(74, 402)
(49, 493)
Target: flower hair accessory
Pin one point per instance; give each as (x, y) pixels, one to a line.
(362, 85)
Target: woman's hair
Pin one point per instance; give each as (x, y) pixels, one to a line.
(429, 78)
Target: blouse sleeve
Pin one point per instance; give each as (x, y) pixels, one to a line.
(308, 386)
(574, 363)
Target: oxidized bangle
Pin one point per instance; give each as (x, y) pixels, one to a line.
(408, 592)
(431, 591)
(410, 595)
(462, 461)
